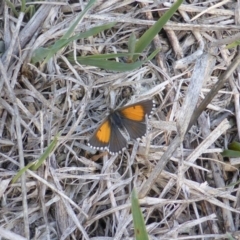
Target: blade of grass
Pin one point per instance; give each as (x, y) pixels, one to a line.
(46, 53)
(234, 146)
(131, 46)
(231, 153)
(230, 236)
(138, 221)
(40, 54)
(21, 171)
(102, 56)
(233, 45)
(91, 32)
(31, 10)
(36, 164)
(71, 29)
(148, 36)
(12, 7)
(112, 65)
(23, 6)
(46, 153)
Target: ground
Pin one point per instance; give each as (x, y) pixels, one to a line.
(186, 189)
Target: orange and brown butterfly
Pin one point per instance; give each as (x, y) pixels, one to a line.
(129, 120)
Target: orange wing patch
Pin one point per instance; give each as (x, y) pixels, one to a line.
(104, 132)
(135, 113)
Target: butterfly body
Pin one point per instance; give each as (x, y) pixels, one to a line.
(120, 124)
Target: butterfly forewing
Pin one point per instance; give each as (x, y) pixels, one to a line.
(134, 129)
(133, 118)
(137, 111)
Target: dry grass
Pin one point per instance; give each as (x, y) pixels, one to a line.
(187, 190)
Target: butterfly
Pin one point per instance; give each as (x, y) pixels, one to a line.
(120, 124)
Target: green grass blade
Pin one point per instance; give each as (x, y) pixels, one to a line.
(102, 56)
(233, 150)
(23, 6)
(40, 54)
(234, 146)
(230, 236)
(148, 36)
(231, 153)
(11, 5)
(100, 62)
(131, 46)
(36, 164)
(21, 171)
(46, 53)
(138, 221)
(31, 10)
(233, 45)
(71, 29)
(46, 153)
(93, 31)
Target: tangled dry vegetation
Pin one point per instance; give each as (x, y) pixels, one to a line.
(186, 189)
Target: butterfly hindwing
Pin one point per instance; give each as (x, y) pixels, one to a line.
(101, 137)
(117, 141)
(134, 129)
(108, 136)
